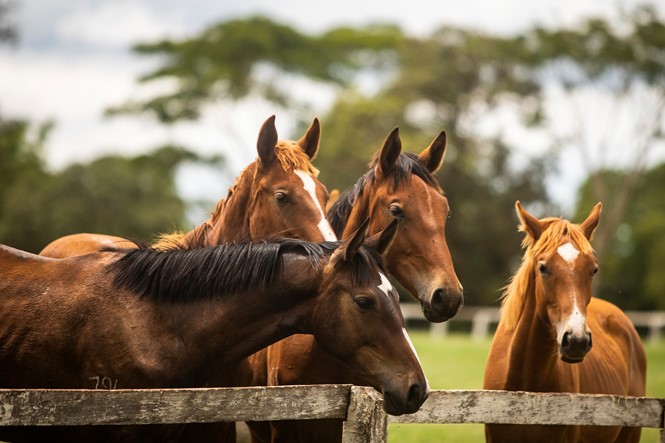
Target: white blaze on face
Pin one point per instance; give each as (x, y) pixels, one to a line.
(310, 187)
(568, 252)
(385, 285)
(413, 348)
(575, 323)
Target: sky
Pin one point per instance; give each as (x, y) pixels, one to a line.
(73, 60)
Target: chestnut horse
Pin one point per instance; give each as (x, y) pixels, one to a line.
(398, 186)
(278, 194)
(543, 342)
(145, 318)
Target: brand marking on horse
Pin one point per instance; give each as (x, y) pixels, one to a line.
(568, 252)
(310, 187)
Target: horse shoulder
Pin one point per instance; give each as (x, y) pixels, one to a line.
(617, 362)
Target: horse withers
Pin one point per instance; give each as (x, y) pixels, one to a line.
(149, 319)
(554, 336)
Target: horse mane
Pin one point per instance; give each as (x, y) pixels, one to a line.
(556, 231)
(407, 164)
(182, 275)
(291, 158)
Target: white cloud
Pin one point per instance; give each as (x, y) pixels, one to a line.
(116, 24)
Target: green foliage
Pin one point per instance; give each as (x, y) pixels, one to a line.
(225, 61)
(631, 271)
(131, 197)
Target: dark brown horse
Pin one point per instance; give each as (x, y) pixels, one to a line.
(398, 186)
(544, 339)
(278, 194)
(144, 318)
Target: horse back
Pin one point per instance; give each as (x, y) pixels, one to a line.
(80, 244)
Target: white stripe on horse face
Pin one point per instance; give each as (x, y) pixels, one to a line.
(413, 348)
(310, 187)
(385, 285)
(568, 252)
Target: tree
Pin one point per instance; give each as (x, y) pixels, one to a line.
(613, 72)
(632, 267)
(131, 197)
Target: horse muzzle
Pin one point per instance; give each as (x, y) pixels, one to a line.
(574, 347)
(398, 403)
(443, 305)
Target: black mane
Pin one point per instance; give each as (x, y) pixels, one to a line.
(182, 275)
(407, 164)
(190, 274)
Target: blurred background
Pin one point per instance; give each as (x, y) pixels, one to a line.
(132, 117)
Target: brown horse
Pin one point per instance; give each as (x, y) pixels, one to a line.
(144, 318)
(543, 342)
(278, 194)
(398, 186)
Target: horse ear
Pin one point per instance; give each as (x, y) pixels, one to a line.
(350, 245)
(265, 145)
(310, 141)
(381, 242)
(432, 156)
(591, 223)
(529, 224)
(390, 152)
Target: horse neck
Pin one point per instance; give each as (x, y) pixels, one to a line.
(243, 323)
(229, 221)
(533, 360)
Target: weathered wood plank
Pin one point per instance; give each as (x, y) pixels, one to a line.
(536, 408)
(159, 406)
(366, 421)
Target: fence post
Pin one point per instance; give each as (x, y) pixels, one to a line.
(366, 421)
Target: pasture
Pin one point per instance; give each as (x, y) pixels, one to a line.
(457, 362)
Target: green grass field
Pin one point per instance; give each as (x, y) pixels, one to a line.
(457, 362)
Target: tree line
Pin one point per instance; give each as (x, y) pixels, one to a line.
(384, 78)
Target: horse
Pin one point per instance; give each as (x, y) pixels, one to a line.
(278, 194)
(146, 318)
(544, 339)
(397, 186)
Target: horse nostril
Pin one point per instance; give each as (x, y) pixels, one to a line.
(414, 395)
(565, 340)
(589, 344)
(437, 297)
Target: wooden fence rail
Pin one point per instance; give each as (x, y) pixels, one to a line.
(360, 407)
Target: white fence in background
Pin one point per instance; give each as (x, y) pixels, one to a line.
(483, 318)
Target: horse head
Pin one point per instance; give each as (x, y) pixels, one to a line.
(563, 266)
(401, 186)
(358, 320)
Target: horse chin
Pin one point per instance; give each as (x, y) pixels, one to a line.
(570, 360)
(435, 317)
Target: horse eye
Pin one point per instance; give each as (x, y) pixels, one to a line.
(396, 211)
(364, 302)
(543, 269)
(450, 214)
(594, 272)
(281, 198)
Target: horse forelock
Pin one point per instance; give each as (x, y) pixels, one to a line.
(182, 275)
(556, 232)
(292, 158)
